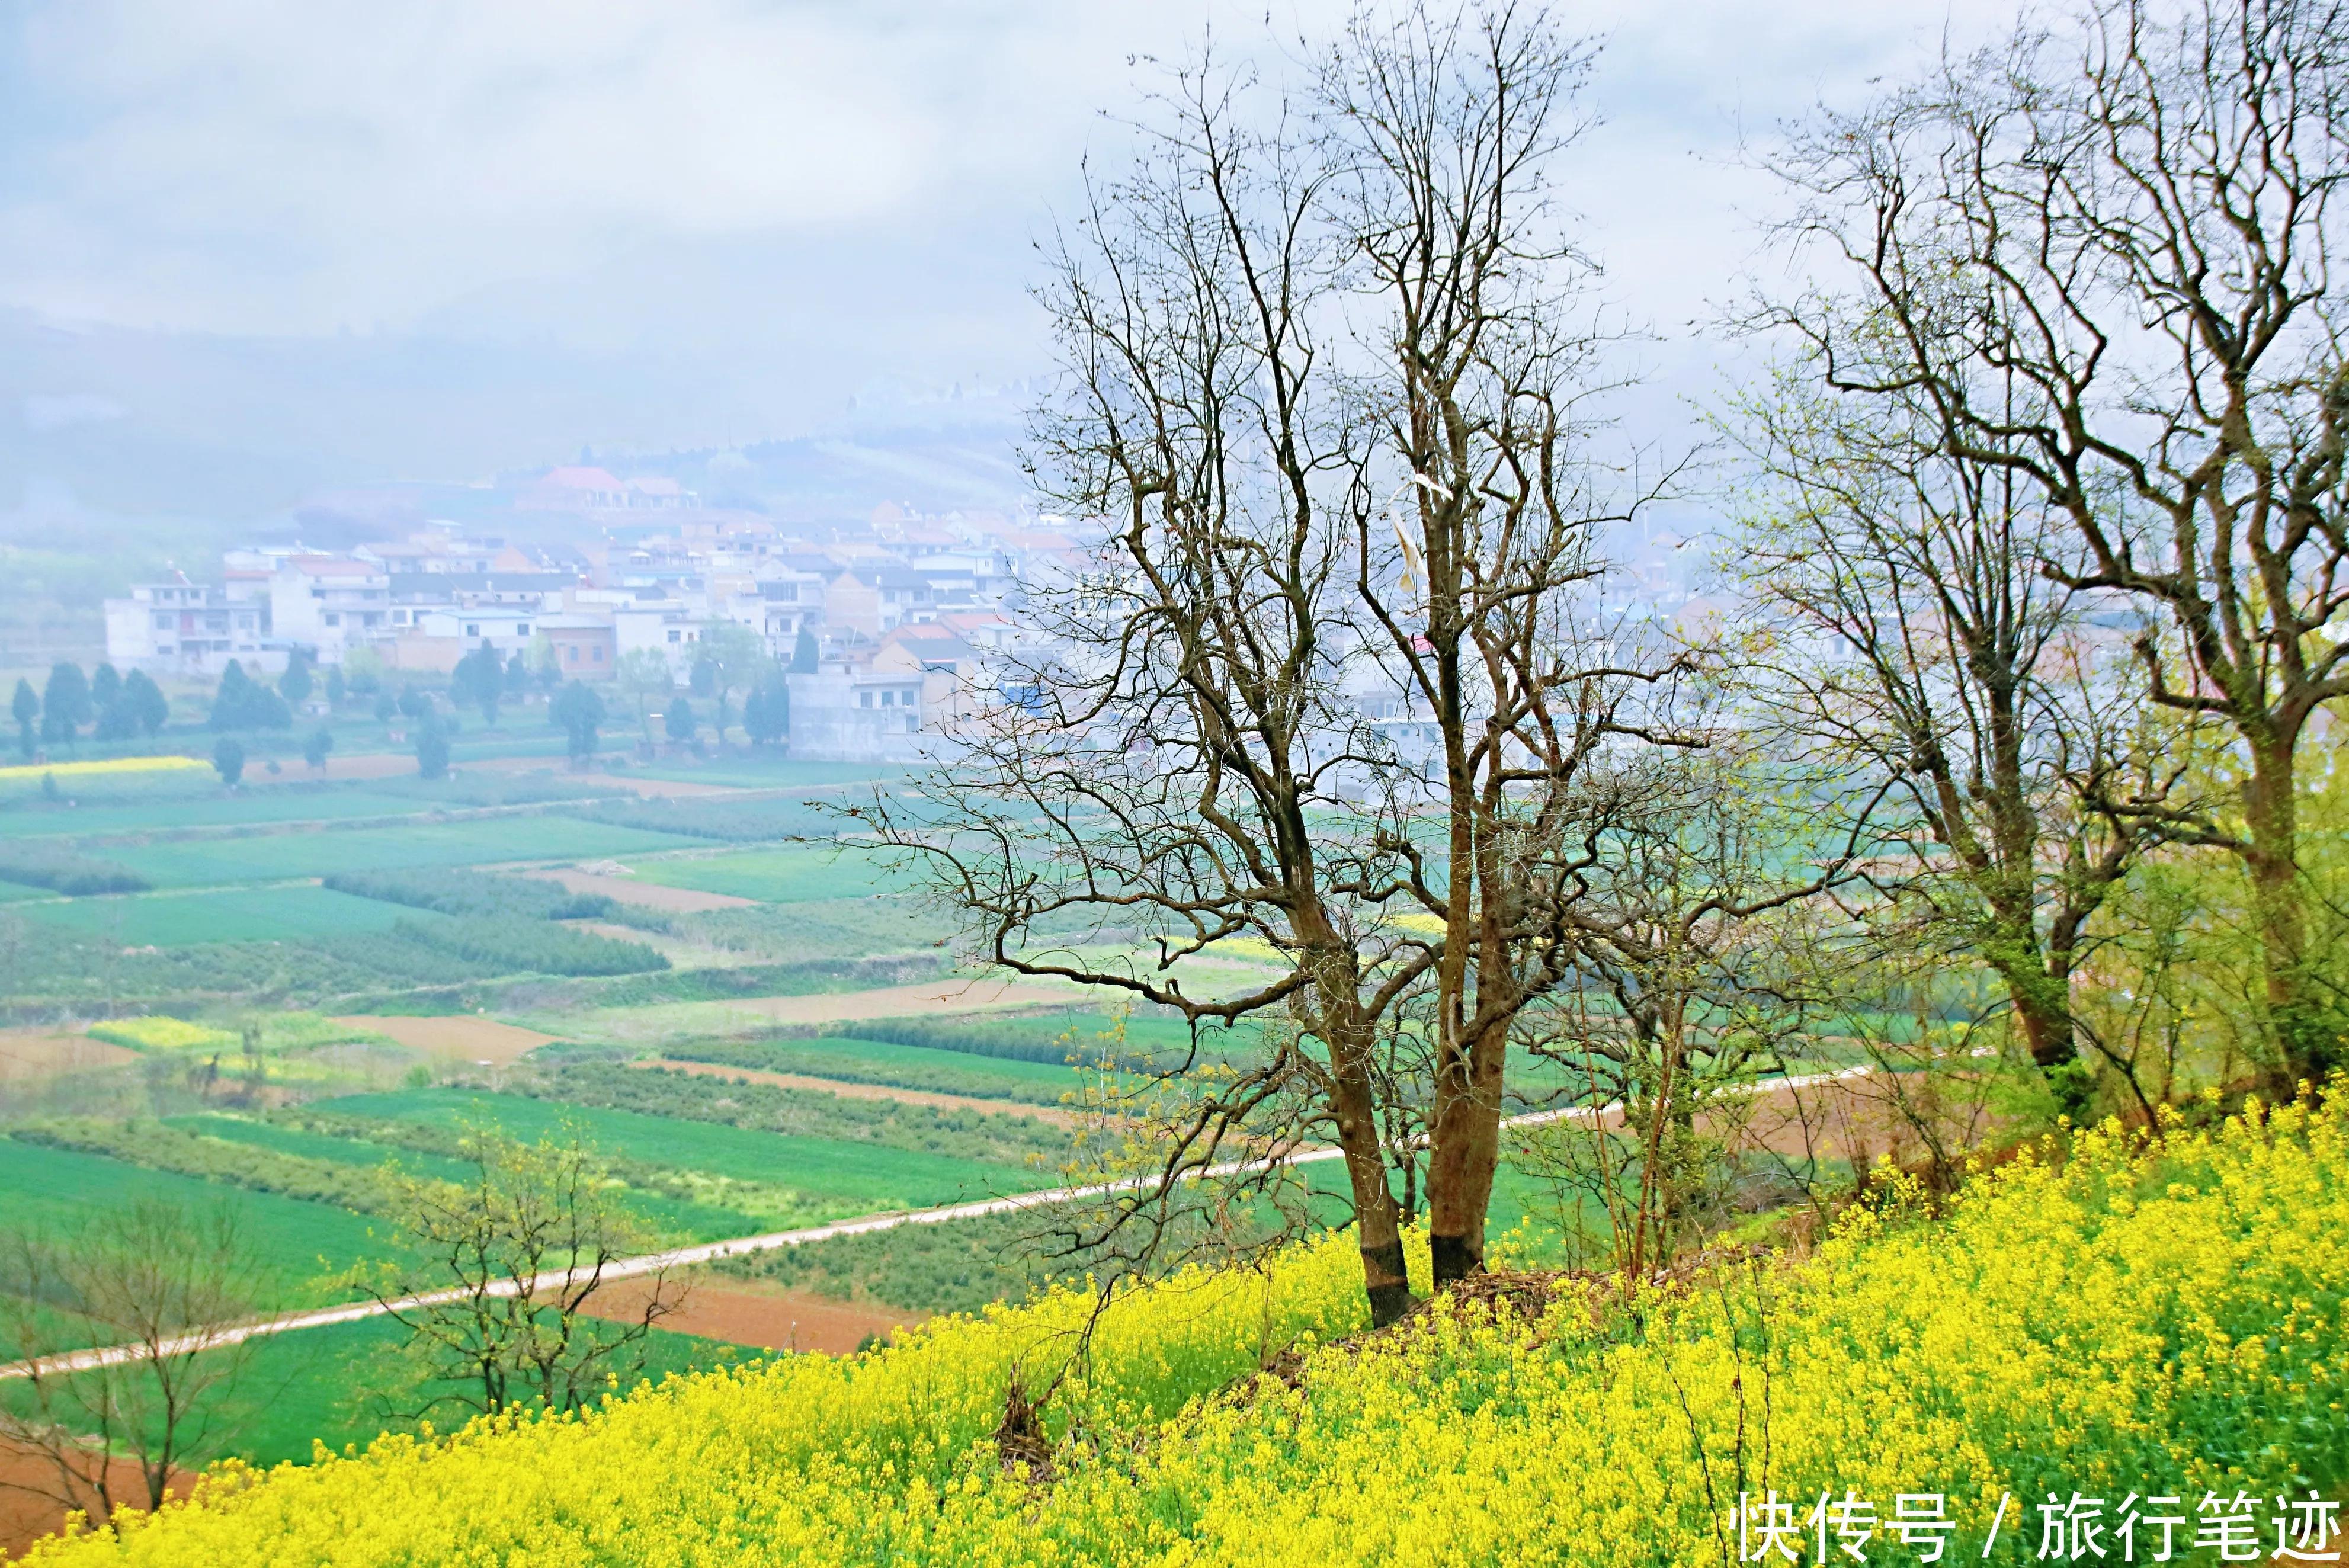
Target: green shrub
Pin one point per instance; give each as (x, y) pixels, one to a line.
(511, 946)
(65, 870)
(472, 892)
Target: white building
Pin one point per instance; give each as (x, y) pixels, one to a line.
(184, 626)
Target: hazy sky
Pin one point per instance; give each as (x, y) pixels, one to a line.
(710, 220)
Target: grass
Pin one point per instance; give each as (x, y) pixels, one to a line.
(288, 855)
(779, 876)
(861, 1175)
(238, 915)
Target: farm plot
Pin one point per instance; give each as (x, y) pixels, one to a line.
(652, 1024)
(286, 803)
(457, 1037)
(885, 1064)
(645, 895)
(282, 857)
(854, 1177)
(35, 1055)
(304, 1243)
(780, 876)
(237, 915)
(329, 1385)
(776, 773)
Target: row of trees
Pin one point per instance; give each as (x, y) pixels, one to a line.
(2040, 528)
(114, 707)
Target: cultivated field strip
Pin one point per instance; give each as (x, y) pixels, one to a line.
(712, 1252)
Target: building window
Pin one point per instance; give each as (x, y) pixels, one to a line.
(888, 699)
(599, 652)
(521, 631)
(865, 700)
(332, 619)
(162, 623)
(674, 635)
(473, 629)
(571, 654)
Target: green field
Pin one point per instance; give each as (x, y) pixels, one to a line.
(314, 1382)
(748, 773)
(327, 1384)
(862, 1176)
(852, 1060)
(671, 1219)
(318, 1146)
(280, 856)
(280, 804)
(304, 1243)
(780, 876)
(237, 915)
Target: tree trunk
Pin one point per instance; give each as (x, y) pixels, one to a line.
(1385, 1278)
(2305, 1049)
(1465, 1148)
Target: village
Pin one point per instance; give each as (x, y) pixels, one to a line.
(882, 625)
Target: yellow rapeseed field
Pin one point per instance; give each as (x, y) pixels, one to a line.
(69, 770)
(2122, 1325)
(160, 1032)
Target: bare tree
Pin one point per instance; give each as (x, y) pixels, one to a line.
(499, 1303)
(1330, 684)
(160, 1280)
(2098, 259)
(1921, 649)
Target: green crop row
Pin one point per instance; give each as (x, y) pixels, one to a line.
(161, 1146)
(538, 946)
(682, 1202)
(65, 870)
(1001, 1138)
(727, 822)
(857, 1060)
(460, 892)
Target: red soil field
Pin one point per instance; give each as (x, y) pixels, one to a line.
(742, 1312)
(460, 1037)
(26, 1516)
(29, 1055)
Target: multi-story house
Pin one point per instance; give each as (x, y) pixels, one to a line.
(188, 627)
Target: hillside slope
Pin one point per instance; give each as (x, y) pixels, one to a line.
(2161, 1323)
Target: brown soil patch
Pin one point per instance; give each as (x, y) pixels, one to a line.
(460, 1036)
(742, 1312)
(28, 1056)
(865, 1090)
(26, 1516)
(649, 895)
(901, 1001)
(1852, 1119)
